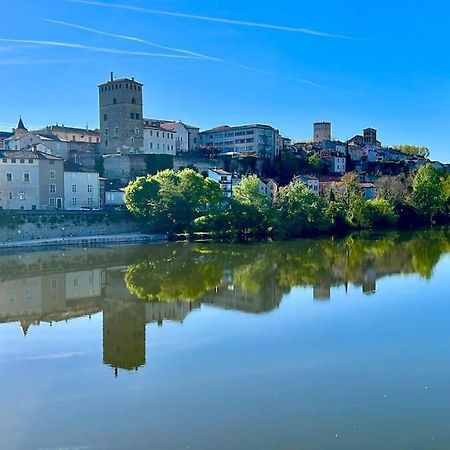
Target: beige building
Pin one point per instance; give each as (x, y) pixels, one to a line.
(72, 134)
(31, 180)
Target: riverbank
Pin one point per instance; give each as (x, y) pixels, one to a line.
(115, 239)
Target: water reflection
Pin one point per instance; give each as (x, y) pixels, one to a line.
(135, 286)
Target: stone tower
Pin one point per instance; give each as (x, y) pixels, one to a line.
(322, 131)
(121, 116)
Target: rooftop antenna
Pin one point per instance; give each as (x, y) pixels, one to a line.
(112, 76)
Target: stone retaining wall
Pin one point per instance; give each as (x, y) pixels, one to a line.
(26, 225)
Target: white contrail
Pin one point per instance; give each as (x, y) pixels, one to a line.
(188, 52)
(132, 38)
(215, 19)
(95, 49)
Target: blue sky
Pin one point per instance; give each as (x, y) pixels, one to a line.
(378, 63)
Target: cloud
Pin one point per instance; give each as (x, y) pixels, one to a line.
(95, 49)
(216, 19)
(133, 39)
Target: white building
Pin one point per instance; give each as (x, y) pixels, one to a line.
(269, 187)
(81, 189)
(115, 198)
(336, 164)
(225, 179)
(310, 181)
(158, 140)
(186, 137)
(260, 140)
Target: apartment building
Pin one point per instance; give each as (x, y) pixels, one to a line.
(259, 140)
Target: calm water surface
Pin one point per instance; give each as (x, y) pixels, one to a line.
(314, 344)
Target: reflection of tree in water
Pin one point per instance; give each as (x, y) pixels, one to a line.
(191, 272)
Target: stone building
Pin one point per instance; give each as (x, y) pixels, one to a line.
(121, 116)
(322, 131)
(31, 180)
(124, 168)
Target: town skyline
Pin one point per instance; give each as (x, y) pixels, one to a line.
(273, 84)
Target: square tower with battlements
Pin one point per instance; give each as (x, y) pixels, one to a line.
(121, 116)
(322, 131)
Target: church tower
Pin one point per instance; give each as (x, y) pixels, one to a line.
(121, 116)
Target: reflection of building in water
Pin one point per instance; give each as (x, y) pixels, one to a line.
(322, 292)
(49, 298)
(123, 334)
(232, 296)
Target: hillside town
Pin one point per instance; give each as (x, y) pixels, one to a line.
(59, 167)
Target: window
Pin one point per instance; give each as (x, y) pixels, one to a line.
(11, 196)
(136, 131)
(54, 284)
(138, 116)
(4, 160)
(89, 201)
(52, 175)
(22, 161)
(116, 131)
(73, 137)
(30, 161)
(51, 202)
(52, 163)
(89, 187)
(105, 117)
(52, 188)
(74, 201)
(74, 188)
(133, 101)
(22, 196)
(131, 115)
(9, 177)
(26, 177)
(151, 145)
(13, 160)
(157, 134)
(106, 132)
(114, 102)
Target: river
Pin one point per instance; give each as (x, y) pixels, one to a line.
(310, 344)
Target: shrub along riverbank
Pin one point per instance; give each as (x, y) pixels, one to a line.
(186, 202)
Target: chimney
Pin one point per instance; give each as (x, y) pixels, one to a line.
(112, 76)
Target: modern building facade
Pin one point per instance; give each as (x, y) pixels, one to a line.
(322, 131)
(31, 180)
(121, 116)
(260, 140)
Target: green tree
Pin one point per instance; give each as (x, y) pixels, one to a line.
(428, 195)
(315, 164)
(173, 200)
(251, 208)
(300, 210)
(413, 150)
